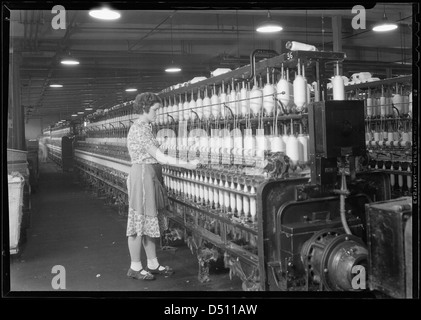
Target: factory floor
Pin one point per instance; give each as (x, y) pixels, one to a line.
(72, 228)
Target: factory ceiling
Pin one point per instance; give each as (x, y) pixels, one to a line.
(134, 50)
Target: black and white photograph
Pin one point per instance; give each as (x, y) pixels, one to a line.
(210, 149)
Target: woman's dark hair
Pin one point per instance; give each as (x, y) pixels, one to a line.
(144, 101)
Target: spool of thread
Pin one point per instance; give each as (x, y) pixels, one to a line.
(180, 110)
(293, 149)
(210, 192)
(283, 92)
(300, 92)
(384, 135)
(206, 107)
(238, 141)
(400, 181)
(277, 144)
(405, 104)
(228, 143)
(199, 190)
(253, 207)
(291, 100)
(244, 101)
(174, 113)
(216, 200)
(249, 141)
(192, 106)
(233, 102)
(392, 180)
(227, 201)
(384, 109)
(191, 186)
(232, 197)
(199, 106)
(256, 100)
(382, 105)
(398, 102)
(186, 110)
(206, 191)
(302, 139)
(246, 202)
(338, 88)
(369, 103)
(186, 186)
(239, 200)
(223, 99)
(268, 101)
(221, 199)
(410, 103)
(216, 107)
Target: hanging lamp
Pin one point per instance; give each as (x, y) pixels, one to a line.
(69, 60)
(269, 26)
(172, 67)
(384, 24)
(104, 14)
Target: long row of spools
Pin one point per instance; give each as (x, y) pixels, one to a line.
(238, 145)
(241, 100)
(389, 134)
(219, 194)
(387, 104)
(397, 181)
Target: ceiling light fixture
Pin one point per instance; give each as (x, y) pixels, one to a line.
(74, 115)
(104, 14)
(172, 67)
(131, 89)
(385, 24)
(81, 112)
(89, 109)
(269, 26)
(69, 60)
(56, 85)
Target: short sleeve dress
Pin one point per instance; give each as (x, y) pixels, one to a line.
(148, 199)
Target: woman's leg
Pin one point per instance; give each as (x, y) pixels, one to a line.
(135, 245)
(136, 270)
(150, 249)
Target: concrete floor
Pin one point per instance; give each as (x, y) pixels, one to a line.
(70, 227)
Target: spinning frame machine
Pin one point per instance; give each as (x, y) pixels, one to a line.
(286, 212)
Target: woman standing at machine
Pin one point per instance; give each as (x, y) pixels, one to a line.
(147, 196)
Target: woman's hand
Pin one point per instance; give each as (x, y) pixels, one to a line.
(192, 165)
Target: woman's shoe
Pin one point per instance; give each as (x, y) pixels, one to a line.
(166, 271)
(139, 276)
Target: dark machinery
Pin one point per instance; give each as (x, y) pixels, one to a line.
(311, 230)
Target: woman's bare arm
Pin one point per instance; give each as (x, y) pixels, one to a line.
(168, 160)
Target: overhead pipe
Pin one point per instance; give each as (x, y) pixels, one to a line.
(260, 52)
